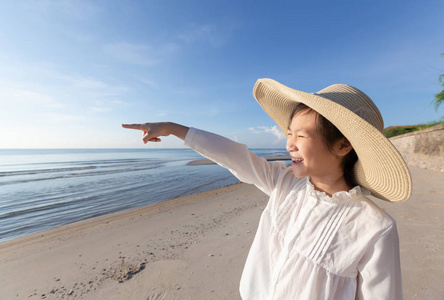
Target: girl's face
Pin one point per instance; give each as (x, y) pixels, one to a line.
(310, 156)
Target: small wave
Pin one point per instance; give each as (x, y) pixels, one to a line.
(45, 207)
(10, 233)
(44, 171)
(34, 175)
(84, 165)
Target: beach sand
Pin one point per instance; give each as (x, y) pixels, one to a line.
(195, 248)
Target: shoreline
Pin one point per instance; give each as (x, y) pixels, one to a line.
(144, 211)
(70, 186)
(111, 216)
(195, 247)
(107, 257)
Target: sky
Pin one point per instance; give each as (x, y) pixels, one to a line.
(71, 72)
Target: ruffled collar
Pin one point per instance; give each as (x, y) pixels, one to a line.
(342, 196)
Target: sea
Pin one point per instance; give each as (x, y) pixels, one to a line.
(41, 189)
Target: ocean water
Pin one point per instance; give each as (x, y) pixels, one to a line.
(42, 189)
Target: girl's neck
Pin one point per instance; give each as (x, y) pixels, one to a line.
(331, 185)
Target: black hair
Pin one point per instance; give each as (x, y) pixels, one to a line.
(330, 134)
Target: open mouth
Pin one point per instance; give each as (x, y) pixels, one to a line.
(295, 161)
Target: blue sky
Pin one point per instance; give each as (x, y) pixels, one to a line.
(72, 71)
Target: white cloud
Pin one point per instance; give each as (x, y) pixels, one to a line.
(87, 83)
(146, 81)
(23, 96)
(86, 93)
(120, 102)
(274, 130)
(144, 54)
(50, 85)
(93, 87)
(147, 55)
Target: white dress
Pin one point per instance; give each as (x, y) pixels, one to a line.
(309, 245)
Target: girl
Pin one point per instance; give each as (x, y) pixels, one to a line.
(320, 236)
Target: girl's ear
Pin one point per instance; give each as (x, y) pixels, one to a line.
(343, 147)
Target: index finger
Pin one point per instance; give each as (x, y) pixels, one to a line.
(133, 126)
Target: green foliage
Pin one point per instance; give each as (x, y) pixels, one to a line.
(439, 98)
(397, 131)
(394, 131)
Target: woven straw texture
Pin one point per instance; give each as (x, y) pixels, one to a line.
(380, 168)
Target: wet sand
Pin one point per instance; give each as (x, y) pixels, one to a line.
(195, 248)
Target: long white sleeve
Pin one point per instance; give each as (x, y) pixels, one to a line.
(380, 268)
(246, 166)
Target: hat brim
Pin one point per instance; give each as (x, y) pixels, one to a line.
(380, 168)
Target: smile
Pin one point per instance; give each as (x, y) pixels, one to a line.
(296, 161)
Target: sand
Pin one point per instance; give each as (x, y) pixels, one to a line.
(195, 248)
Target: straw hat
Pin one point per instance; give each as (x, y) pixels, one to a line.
(380, 168)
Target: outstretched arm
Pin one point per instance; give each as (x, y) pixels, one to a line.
(152, 131)
(246, 166)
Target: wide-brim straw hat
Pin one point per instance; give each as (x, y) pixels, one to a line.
(380, 168)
